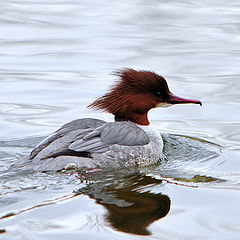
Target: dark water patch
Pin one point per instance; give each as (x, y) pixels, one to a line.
(2, 231)
(128, 209)
(200, 179)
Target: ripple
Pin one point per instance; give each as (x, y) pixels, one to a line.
(27, 109)
(50, 48)
(140, 195)
(186, 159)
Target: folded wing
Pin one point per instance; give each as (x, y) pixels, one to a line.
(84, 137)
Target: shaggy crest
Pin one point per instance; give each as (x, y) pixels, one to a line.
(133, 95)
(131, 82)
(142, 80)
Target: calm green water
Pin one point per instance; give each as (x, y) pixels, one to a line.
(56, 57)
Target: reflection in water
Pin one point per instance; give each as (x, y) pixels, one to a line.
(129, 209)
(47, 57)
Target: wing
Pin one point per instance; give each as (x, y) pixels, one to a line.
(102, 138)
(83, 142)
(64, 136)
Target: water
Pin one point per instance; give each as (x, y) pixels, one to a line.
(56, 57)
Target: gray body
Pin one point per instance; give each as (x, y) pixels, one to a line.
(93, 143)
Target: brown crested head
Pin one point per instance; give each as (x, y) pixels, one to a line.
(134, 94)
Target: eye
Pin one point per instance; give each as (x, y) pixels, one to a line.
(157, 94)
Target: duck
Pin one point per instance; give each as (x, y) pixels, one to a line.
(128, 141)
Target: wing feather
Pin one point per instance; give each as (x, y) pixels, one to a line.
(96, 136)
(65, 135)
(103, 137)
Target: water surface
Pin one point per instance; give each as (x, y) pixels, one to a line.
(56, 57)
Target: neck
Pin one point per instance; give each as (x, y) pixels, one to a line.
(141, 119)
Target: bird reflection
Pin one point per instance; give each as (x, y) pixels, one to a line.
(131, 208)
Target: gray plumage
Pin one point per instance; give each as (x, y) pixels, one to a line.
(114, 144)
(81, 125)
(121, 133)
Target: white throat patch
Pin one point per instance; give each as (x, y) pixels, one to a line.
(163, 105)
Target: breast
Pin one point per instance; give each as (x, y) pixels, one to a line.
(155, 137)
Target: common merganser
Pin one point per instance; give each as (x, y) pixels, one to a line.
(128, 141)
